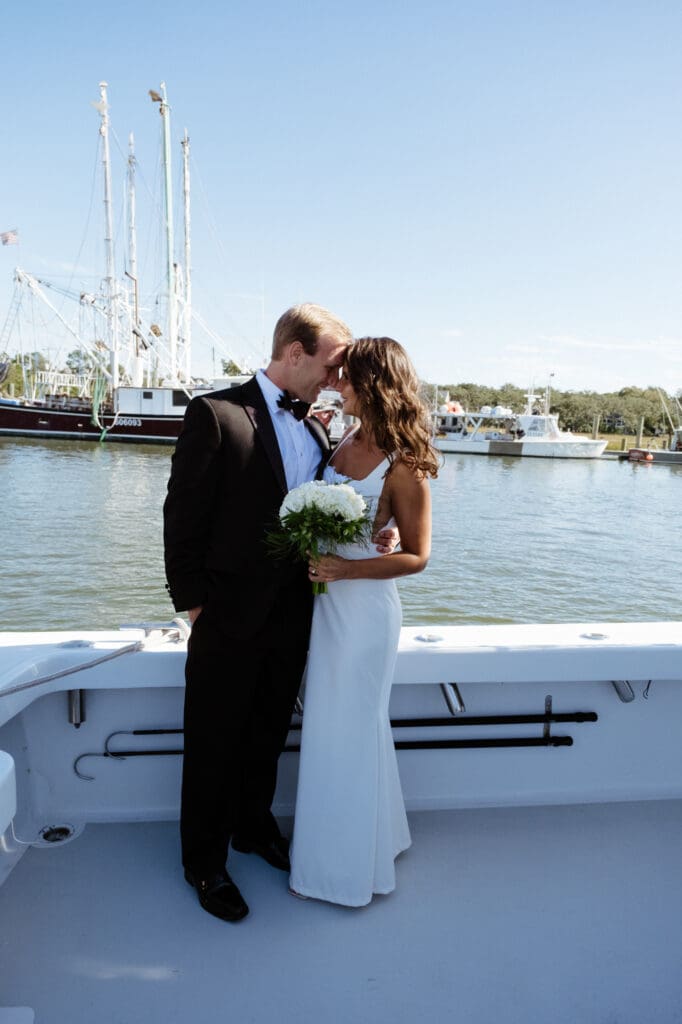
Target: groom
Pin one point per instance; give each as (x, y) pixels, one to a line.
(239, 452)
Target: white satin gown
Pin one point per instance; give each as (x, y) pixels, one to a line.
(350, 822)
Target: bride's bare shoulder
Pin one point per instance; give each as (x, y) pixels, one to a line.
(404, 477)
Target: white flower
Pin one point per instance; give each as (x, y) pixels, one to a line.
(335, 499)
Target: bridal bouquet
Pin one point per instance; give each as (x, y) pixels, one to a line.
(316, 517)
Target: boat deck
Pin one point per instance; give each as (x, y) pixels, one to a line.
(514, 915)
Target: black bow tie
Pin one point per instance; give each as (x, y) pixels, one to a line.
(298, 409)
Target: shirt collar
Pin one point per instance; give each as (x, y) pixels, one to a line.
(271, 393)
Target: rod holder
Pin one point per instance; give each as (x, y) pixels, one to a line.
(453, 698)
(623, 689)
(76, 707)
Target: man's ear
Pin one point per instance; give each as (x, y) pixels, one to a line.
(294, 353)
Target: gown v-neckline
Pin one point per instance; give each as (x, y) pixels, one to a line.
(354, 479)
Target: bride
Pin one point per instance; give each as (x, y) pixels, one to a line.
(350, 822)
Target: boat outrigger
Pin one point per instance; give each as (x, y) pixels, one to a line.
(139, 379)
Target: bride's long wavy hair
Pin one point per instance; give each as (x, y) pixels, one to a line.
(387, 391)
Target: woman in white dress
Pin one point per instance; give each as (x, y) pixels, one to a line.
(350, 822)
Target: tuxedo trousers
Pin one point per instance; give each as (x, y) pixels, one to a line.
(239, 697)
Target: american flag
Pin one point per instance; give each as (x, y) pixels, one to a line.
(10, 237)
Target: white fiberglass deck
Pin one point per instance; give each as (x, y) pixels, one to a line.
(539, 915)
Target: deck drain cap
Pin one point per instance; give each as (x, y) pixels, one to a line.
(56, 833)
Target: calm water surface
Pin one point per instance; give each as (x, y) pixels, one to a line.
(515, 540)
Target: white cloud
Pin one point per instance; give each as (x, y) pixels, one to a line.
(527, 350)
(669, 347)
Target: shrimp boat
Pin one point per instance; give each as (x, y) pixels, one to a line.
(542, 772)
(138, 380)
(498, 430)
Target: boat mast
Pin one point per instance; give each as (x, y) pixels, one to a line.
(110, 283)
(164, 110)
(132, 227)
(132, 258)
(187, 313)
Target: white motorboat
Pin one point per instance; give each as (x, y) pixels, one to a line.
(496, 430)
(542, 771)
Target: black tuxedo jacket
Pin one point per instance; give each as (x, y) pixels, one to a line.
(226, 486)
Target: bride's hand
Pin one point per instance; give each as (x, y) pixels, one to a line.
(387, 540)
(328, 569)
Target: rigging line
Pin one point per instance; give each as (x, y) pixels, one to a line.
(223, 256)
(209, 216)
(157, 207)
(89, 215)
(256, 351)
(59, 289)
(665, 408)
(138, 170)
(14, 307)
(222, 344)
(149, 252)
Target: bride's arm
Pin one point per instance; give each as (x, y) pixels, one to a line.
(410, 499)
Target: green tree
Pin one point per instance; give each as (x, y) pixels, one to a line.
(79, 361)
(230, 368)
(576, 409)
(429, 393)
(511, 396)
(619, 411)
(471, 396)
(20, 366)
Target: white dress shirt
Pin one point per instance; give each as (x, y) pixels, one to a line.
(300, 451)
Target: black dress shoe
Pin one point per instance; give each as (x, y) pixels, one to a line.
(274, 851)
(219, 896)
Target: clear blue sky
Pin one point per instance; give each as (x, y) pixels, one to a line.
(498, 185)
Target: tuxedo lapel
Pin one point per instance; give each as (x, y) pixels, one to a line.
(319, 432)
(256, 409)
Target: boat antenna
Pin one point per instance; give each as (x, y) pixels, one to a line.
(548, 394)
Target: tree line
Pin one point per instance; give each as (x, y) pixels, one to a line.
(14, 369)
(619, 412)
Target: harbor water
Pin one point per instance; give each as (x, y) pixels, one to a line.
(515, 540)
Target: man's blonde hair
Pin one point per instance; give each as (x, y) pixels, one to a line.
(307, 323)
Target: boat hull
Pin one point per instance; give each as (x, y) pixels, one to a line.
(573, 449)
(17, 420)
(665, 456)
(612, 741)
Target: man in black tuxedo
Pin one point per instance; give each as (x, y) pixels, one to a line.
(239, 452)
